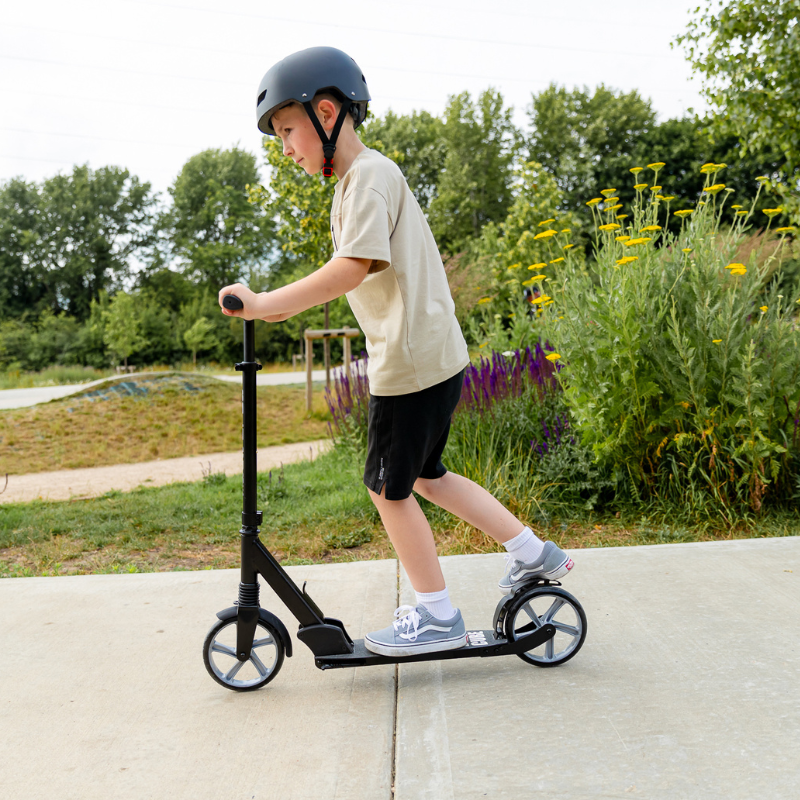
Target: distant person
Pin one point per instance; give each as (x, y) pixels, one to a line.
(388, 265)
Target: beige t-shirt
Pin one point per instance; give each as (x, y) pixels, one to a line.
(404, 304)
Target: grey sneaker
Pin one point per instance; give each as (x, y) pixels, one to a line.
(416, 630)
(552, 564)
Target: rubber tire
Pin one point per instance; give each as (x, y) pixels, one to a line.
(525, 596)
(224, 623)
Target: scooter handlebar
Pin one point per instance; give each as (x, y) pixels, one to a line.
(232, 302)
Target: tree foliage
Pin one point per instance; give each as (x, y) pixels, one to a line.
(475, 186)
(748, 54)
(219, 236)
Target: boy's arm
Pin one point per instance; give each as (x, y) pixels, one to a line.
(338, 276)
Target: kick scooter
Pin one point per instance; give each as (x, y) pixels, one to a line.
(244, 650)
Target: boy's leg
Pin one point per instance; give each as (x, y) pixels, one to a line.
(411, 536)
(528, 556)
(433, 624)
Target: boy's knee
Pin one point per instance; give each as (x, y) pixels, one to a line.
(427, 486)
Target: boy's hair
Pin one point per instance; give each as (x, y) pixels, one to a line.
(334, 97)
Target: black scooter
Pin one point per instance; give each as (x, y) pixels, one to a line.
(539, 622)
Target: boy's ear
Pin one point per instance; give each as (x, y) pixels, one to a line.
(327, 112)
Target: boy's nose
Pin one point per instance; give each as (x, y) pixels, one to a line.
(287, 151)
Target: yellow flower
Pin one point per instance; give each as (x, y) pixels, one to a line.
(611, 226)
(610, 200)
(595, 201)
(482, 345)
(634, 242)
(515, 266)
(701, 202)
(567, 246)
(787, 229)
(537, 266)
(538, 277)
(529, 281)
(738, 271)
(540, 299)
(627, 260)
(736, 206)
(656, 188)
(621, 216)
(546, 222)
(762, 178)
(764, 308)
(685, 404)
(740, 213)
(668, 197)
(622, 238)
(684, 212)
(773, 212)
(640, 186)
(607, 192)
(549, 302)
(556, 260)
(565, 230)
(651, 228)
(656, 166)
(545, 234)
(686, 250)
(735, 265)
(716, 341)
(717, 187)
(720, 166)
(615, 208)
(553, 357)
(636, 170)
(710, 167)
(484, 300)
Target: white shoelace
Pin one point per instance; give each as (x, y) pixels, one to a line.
(405, 617)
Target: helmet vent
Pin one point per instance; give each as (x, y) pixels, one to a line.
(261, 97)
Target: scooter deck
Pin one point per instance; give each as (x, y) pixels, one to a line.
(479, 644)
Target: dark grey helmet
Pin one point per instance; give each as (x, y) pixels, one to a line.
(302, 75)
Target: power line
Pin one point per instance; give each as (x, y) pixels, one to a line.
(413, 34)
(98, 138)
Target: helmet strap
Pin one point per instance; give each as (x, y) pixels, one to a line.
(328, 143)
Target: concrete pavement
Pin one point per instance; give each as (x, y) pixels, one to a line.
(687, 687)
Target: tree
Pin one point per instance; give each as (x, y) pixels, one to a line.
(219, 235)
(22, 286)
(416, 143)
(198, 337)
(122, 333)
(476, 184)
(748, 56)
(66, 241)
(586, 139)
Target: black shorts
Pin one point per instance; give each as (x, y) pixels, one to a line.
(406, 436)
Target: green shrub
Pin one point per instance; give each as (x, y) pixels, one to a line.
(682, 353)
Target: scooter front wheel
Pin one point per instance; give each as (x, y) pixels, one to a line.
(219, 655)
(541, 605)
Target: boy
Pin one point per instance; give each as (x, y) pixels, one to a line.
(387, 263)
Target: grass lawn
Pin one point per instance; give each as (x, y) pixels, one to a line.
(314, 512)
(150, 417)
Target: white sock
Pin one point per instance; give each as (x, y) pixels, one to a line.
(525, 547)
(438, 603)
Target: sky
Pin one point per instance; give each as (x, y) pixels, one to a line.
(146, 84)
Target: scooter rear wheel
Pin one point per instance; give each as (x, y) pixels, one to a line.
(539, 606)
(219, 655)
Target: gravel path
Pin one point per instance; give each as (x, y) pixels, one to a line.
(95, 481)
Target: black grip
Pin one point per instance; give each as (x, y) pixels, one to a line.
(232, 302)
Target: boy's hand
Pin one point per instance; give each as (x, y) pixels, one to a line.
(250, 301)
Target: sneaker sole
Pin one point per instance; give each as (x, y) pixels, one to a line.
(553, 575)
(410, 650)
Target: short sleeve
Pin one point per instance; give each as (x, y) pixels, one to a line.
(365, 228)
